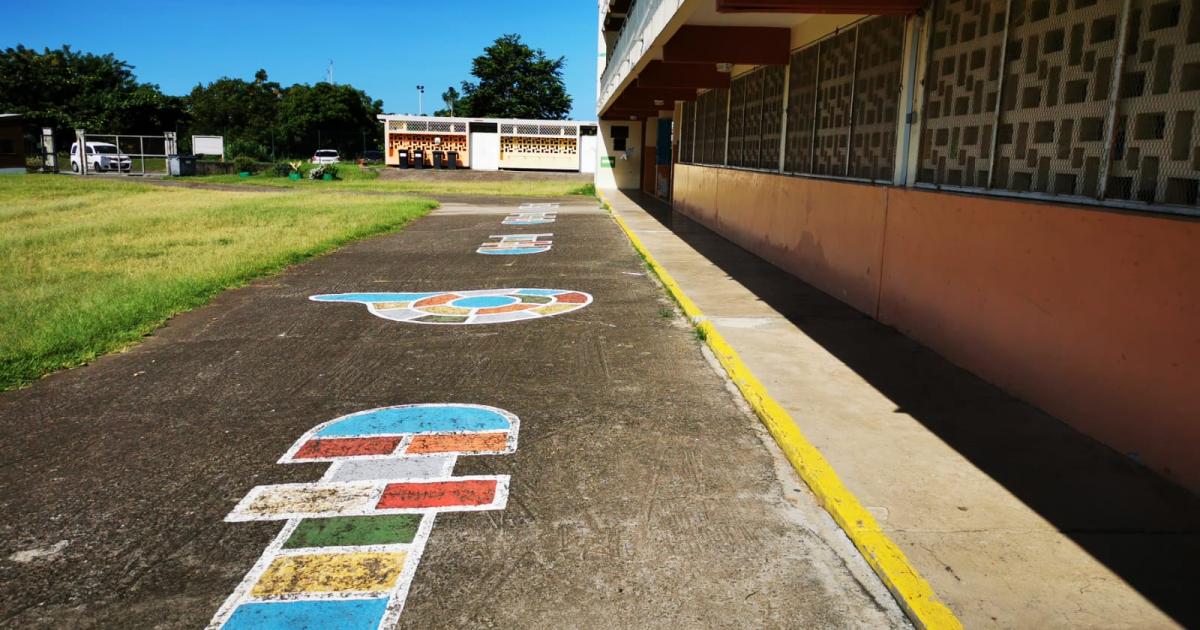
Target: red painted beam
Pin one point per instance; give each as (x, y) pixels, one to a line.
(756, 45)
(682, 75)
(653, 98)
(853, 7)
(628, 114)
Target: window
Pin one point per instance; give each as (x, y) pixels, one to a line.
(7, 146)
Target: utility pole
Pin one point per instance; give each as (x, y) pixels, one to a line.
(420, 100)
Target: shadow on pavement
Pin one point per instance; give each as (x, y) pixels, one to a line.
(1142, 527)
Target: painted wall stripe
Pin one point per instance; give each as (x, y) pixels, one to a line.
(914, 594)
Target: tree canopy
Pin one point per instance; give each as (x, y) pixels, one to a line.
(515, 81)
(66, 90)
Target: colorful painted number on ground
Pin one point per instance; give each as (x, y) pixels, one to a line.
(514, 244)
(530, 218)
(488, 306)
(348, 551)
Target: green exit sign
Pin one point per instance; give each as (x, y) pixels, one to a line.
(608, 162)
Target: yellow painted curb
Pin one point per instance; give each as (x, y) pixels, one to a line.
(915, 595)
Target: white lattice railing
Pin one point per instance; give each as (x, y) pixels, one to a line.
(645, 20)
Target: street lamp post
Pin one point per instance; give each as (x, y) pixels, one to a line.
(420, 100)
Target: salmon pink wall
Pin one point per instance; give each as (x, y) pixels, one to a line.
(829, 233)
(1092, 315)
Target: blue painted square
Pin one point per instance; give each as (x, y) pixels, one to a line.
(328, 614)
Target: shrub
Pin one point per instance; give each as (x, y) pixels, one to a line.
(281, 169)
(247, 148)
(325, 169)
(244, 164)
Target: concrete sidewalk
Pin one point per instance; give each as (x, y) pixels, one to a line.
(1015, 519)
(640, 494)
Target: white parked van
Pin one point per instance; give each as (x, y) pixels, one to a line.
(326, 156)
(101, 156)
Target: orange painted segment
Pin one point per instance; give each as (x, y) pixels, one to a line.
(437, 299)
(458, 443)
(347, 447)
(504, 309)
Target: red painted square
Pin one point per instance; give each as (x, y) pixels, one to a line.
(438, 494)
(571, 298)
(348, 447)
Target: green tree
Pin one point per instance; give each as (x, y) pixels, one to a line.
(515, 81)
(65, 90)
(328, 116)
(451, 98)
(244, 112)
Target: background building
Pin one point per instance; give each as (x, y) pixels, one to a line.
(489, 144)
(1013, 183)
(12, 143)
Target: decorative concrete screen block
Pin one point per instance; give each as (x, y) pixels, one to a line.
(539, 152)
(876, 88)
(771, 116)
(963, 84)
(737, 119)
(752, 127)
(1057, 77)
(714, 105)
(834, 102)
(802, 103)
(429, 142)
(1156, 149)
(1057, 119)
(687, 132)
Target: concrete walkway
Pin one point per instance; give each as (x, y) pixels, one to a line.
(1015, 519)
(640, 492)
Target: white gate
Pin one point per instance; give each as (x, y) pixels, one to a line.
(121, 154)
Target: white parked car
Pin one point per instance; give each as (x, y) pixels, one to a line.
(101, 156)
(326, 156)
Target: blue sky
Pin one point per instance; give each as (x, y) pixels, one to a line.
(384, 48)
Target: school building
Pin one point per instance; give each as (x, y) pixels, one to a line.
(489, 144)
(1012, 183)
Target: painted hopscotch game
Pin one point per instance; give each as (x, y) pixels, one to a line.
(516, 244)
(533, 214)
(487, 306)
(350, 544)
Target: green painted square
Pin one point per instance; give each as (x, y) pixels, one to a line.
(342, 531)
(535, 299)
(441, 319)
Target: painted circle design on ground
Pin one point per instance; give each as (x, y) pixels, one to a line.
(487, 306)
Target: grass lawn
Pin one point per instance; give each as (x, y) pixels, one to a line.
(90, 266)
(354, 178)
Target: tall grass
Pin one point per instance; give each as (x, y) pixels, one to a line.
(88, 267)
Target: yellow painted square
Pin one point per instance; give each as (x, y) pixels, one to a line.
(361, 572)
(551, 309)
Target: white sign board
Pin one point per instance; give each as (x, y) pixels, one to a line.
(208, 145)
